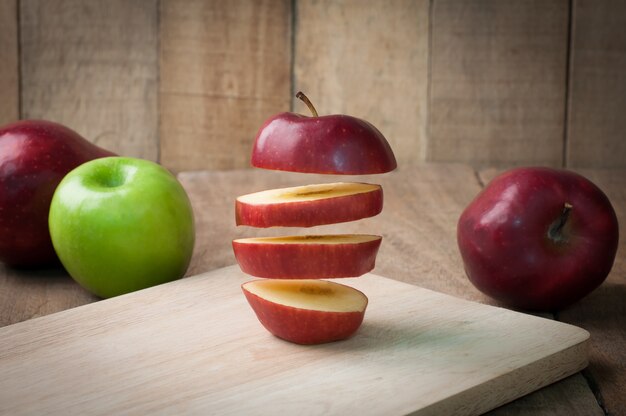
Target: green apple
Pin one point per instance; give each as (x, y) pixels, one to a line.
(121, 224)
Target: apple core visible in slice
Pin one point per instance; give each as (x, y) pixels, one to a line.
(310, 205)
(307, 257)
(306, 311)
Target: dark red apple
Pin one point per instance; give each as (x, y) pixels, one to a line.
(34, 157)
(538, 238)
(333, 144)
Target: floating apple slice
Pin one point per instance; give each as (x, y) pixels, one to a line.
(307, 257)
(310, 205)
(335, 144)
(306, 311)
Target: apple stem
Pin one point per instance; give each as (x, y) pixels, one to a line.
(555, 230)
(308, 103)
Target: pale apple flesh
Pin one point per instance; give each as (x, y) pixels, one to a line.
(310, 205)
(306, 311)
(307, 257)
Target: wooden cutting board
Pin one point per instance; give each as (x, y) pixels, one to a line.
(194, 346)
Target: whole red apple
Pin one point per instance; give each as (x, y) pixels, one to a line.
(334, 144)
(34, 156)
(538, 238)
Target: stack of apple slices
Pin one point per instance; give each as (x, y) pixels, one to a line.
(293, 303)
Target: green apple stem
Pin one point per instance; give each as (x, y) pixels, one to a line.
(308, 103)
(554, 232)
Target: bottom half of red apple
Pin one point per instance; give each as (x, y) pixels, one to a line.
(306, 311)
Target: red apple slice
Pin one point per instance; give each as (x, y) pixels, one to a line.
(307, 257)
(310, 205)
(306, 311)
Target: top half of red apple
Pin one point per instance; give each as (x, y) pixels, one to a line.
(333, 144)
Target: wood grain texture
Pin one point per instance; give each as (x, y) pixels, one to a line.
(225, 68)
(9, 67)
(92, 65)
(211, 356)
(368, 59)
(597, 96)
(570, 396)
(497, 90)
(28, 294)
(603, 312)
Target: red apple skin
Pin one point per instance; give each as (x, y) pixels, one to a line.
(306, 261)
(310, 213)
(333, 144)
(34, 156)
(304, 326)
(503, 237)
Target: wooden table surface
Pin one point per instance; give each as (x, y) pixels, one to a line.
(418, 225)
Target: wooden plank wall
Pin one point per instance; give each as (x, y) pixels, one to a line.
(498, 81)
(597, 100)
(188, 83)
(225, 67)
(92, 65)
(9, 62)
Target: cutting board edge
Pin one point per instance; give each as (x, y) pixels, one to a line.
(121, 298)
(515, 384)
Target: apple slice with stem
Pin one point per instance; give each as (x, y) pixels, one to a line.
(306, 311)
(310, 205)
(332, 144)
(307, 257)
